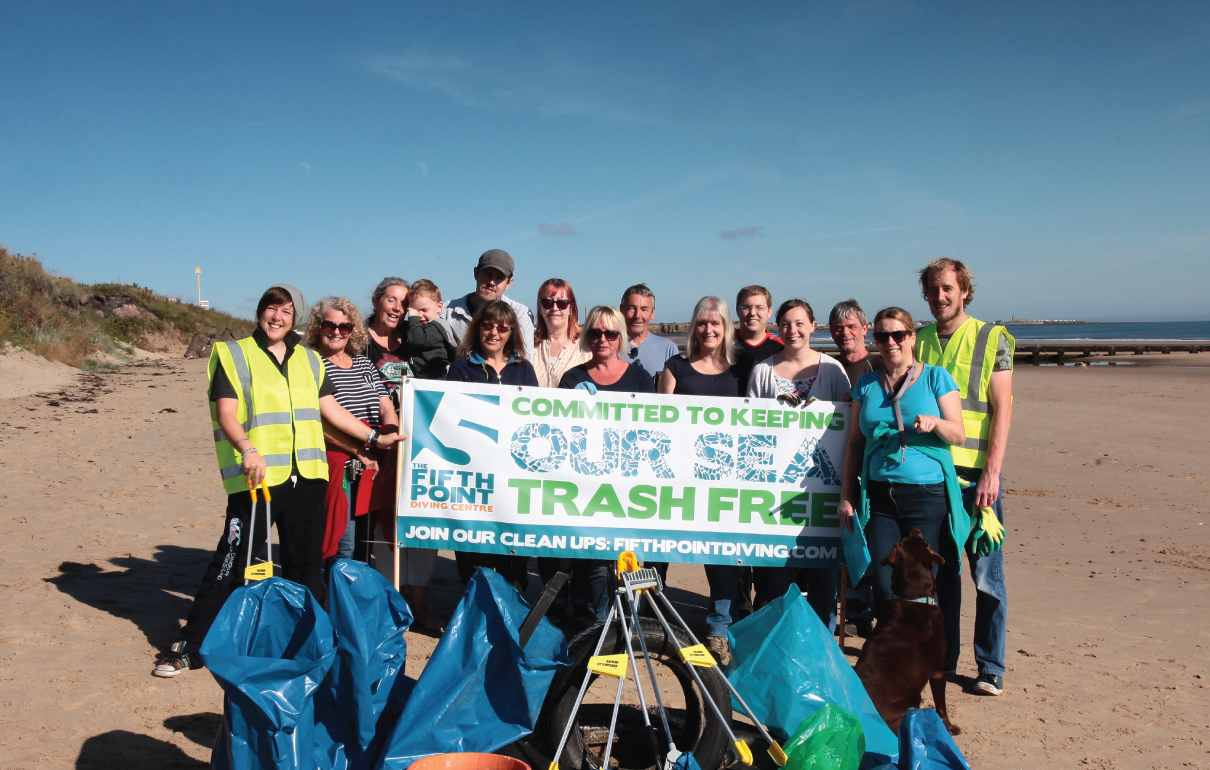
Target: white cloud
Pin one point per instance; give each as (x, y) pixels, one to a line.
(565, 230)
(423, 168)
(305, 167)
(743, 232)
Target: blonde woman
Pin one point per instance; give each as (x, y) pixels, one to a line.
(709, 369)
(604, 333)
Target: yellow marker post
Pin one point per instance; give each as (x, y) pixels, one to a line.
(697, 655)
(609, 665)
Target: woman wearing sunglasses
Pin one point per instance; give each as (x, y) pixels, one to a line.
(336, 332)
(898, 472)
(492, 351)
(792, 376)
(555, 340)
(604, 333)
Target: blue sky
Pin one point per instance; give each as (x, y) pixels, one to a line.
(824, 150)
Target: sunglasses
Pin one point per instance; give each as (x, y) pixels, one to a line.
(609, 334)
(500, 328)
(885, 337)
(344, 328)
(550, 302)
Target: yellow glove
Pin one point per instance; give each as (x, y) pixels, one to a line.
(992, 526)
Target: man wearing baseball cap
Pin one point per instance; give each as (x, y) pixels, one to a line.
(493, 276)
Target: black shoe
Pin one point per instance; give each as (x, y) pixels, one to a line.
(989, 684)
(175, 661)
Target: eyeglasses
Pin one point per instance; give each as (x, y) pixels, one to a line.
(551, 302)
(344, 328)
(609, 334)
(500, 328)
(885, 337)
(752, 308)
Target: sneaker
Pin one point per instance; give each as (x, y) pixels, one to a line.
(175, 661)
(719, 649)
(989, 684)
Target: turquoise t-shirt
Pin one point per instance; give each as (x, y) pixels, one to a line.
(921, 398)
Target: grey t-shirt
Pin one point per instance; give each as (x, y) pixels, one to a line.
(652, 354)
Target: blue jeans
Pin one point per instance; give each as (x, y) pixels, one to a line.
(991, 597)
(895, 510)
(726, 590)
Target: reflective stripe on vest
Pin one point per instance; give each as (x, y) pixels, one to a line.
(976, 342)
(279, 413)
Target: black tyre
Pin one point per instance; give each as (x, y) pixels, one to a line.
(693, 723)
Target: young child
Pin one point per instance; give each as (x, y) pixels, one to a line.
(429, 338)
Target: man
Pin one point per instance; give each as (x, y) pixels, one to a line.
(848, 326)
(980, 357)
(648, 350)
(753, 340)
(493, 276)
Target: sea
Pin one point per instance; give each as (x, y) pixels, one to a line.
(1171, 331)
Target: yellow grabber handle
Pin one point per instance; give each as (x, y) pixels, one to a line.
(744, 753)
(264, 488)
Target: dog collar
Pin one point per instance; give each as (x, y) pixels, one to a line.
(921, 600)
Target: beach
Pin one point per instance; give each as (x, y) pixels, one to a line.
(112, 507)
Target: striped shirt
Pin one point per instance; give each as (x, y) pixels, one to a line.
(358, 388)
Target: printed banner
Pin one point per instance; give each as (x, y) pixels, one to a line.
(562, 473)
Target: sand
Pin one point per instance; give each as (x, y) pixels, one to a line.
(111, 505)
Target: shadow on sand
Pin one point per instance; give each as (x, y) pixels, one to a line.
(124, 750)
(143, 592)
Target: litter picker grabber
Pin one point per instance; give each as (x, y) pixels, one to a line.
(646, 582)
(596, 656)
(628, 563)
(264, 569)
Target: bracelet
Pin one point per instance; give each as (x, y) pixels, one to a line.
(249, 450)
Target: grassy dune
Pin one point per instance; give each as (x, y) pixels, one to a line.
(76, 324)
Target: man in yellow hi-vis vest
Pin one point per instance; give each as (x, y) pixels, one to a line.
(980, 358)
(269, 397)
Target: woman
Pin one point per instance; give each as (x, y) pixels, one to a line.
(794, 375)
(492, 350)
(709, 369)
(605, 332)
(337, 333)
(269, 376)
(907, 414)
(555, 348)
(386, 347)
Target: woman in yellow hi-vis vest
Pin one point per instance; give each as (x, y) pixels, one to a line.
(269, 396)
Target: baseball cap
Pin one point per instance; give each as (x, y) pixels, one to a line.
(499, 259)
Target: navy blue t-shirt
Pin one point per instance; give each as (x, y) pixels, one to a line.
(634, 380)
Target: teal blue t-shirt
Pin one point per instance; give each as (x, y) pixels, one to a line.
(921, 398)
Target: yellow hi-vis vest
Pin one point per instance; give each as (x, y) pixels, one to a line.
(969, 357)
(280, 414)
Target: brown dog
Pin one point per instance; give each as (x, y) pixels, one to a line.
(907, 647)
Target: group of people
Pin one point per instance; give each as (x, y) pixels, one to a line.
(314, 415)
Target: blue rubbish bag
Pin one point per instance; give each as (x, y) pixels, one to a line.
(786, 665)
(269, 648)
(480, 691)
(925, 744)
(366, 688)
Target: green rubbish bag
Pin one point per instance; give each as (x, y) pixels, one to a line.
(829, 739)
